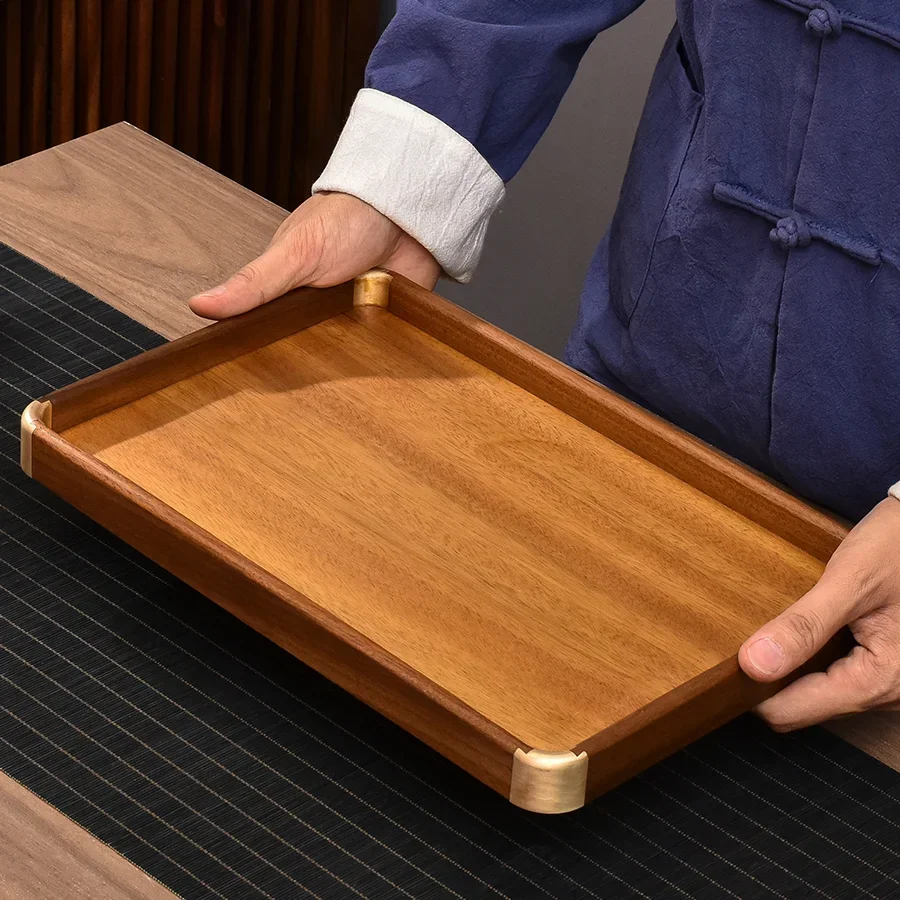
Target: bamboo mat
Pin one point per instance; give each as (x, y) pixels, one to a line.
(225, 768)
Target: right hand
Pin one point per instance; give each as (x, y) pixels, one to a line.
(329, 239)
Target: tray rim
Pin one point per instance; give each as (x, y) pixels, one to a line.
(535, 779)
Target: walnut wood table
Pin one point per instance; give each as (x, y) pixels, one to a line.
(132, 221)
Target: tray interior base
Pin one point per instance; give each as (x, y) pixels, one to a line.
(546, 576)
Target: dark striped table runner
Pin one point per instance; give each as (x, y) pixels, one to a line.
(225, 768)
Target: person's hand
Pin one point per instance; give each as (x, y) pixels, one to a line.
(860, 587)
(329, 239)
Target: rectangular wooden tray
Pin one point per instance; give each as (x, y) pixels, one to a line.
(542, 581)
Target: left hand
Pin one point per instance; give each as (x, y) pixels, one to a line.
(860, 588)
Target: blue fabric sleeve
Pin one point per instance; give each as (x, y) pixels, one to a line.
(493, 70)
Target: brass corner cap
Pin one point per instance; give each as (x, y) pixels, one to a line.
(372, 289)
(38, 412)
(549, 781)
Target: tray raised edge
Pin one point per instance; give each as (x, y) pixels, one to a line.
(529, 777)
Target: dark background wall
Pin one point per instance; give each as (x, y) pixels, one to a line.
(257, 89)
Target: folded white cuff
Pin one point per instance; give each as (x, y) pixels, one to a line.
(894, 490)
(420, 173)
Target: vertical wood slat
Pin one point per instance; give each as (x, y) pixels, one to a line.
(11, 18)
(89, 30)
(140, 62)
(237, 76)
(260, 105)
(214, 39)
(36, 45)
(62, 105)
(115, 61)
(284, 102)
(165, 70)
(363, 17)
(190, 58)
(323, 77)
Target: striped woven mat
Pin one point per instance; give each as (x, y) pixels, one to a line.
(225, 768)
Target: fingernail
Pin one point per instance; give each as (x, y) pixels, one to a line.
(213, 292)
(766, 656)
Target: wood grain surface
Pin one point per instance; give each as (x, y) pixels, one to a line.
(525, 563)
(200, 350)
(83, 213)
(732, 483)
(46, 856)
(277, 611)
(134, 222)
(11, 30)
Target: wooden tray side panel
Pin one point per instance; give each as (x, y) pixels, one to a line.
(276, 611)
(650, 437)
(196, 352)
(685, 715)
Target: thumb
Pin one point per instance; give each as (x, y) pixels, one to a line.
(795, 636)
(267, 277)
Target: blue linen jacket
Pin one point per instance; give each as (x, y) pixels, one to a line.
(748, 288)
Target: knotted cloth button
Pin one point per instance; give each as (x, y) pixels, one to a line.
(791, 231)
(824, 19)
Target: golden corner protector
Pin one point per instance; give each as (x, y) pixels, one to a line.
(372, 289)
(549, 782)
(38, 412)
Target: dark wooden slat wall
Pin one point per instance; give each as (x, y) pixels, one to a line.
(257, 89)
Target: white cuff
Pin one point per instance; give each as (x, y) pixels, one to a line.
(418, 172)
(894, 490)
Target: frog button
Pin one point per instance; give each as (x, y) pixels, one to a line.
(824, 20)
(791, 231)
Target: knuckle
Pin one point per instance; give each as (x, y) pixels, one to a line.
(777, 721)
(806, 629)
(883, 682)
(249, 275)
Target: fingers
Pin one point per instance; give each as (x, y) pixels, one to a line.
(851, 685)
(797, 634)
(264, 279)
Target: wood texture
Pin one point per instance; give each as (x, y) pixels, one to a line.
(90, 65)
(687, 713)
(528, 565)
(63, 101)
(326, 25)
(11, 30)
(133, 222)
(46, 855)
(277, 610)
(35, 83)
(115, 56)
(214, 39)
(190, 63)
(140, 62)
(260, 106)
(151, 371)
(257, 90)
(877, 733)
(237, 71)
(165, 69)
(678, 453)
(41, 201)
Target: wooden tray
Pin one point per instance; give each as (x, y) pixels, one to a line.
(542, 581)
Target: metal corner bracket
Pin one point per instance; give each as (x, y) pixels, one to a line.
(38, 412)
(549, 781)
(372, 289)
